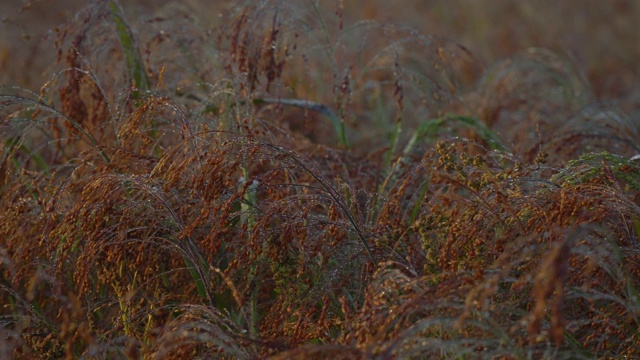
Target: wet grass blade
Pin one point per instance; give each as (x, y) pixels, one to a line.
(338, 124)
(429, 130)
(132, 54)
(83, 134)
(15, 143)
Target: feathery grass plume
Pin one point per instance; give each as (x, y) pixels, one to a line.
(210, 214)
(270, 45)
(499, 258)
(528, 96)
(594, 129)
(399, 74)
(259, 39)
(393, 67)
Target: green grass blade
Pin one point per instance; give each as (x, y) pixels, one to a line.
(196, 276)
(12, 143)
(430, 128)
(336, 121)
(132, 54)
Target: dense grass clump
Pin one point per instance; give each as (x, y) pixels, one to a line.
(291, 183)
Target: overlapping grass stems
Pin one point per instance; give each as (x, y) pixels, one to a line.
(297, 187)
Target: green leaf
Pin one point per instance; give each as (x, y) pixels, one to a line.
(132, 54)
(15, 143)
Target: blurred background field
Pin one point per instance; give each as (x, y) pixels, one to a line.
(592, 44)
(600, 36)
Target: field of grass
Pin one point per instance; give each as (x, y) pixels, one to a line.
(320, 179)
